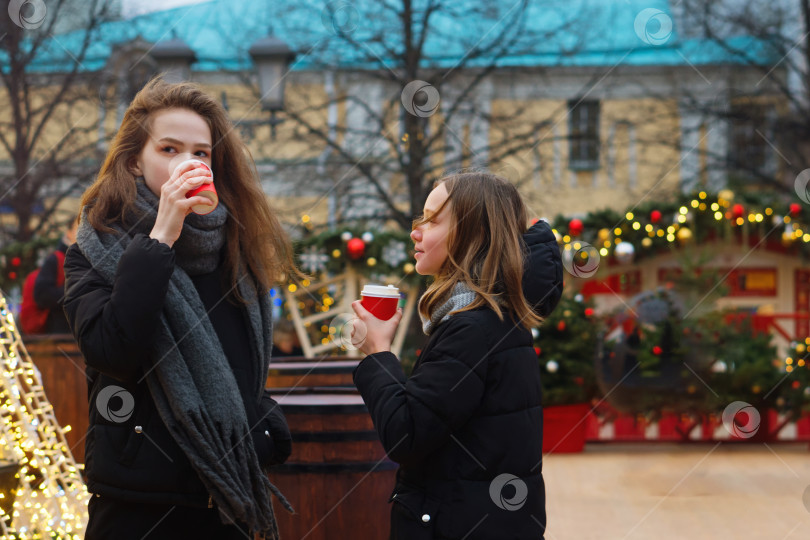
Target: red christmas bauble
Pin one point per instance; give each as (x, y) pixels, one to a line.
(657, 350)
(537, 351)
(355, 248)
(575, 227)
(796, 385)
(15, 261)
(737, 210)
(795, 209)
(588, 311)
(655, 216)
(561, 326)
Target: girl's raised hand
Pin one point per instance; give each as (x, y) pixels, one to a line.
(174, 206)
(370, 334)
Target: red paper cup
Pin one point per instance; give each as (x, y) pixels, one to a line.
(209, 192)
(380, 301)
(206, 190)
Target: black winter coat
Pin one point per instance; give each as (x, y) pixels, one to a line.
(137, 459)
(467, 426)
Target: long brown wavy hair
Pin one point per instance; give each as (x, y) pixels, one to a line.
(484, 247)
(256, 241)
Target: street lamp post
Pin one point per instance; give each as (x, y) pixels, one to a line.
(174, 58)
(272, 58)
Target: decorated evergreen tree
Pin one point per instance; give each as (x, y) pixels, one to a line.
(745, 366)
(566, 343)
(794, 386)
(659, 357)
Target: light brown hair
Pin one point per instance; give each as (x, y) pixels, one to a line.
(255, 239)
(485, 249)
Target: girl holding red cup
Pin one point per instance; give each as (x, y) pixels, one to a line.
(466, 427)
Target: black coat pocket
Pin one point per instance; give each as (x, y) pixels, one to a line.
(412, 514)
(271, 437)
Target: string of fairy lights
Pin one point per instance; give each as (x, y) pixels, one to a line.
(47, 497)
(797, 358)
(320, 302)
(643, 232)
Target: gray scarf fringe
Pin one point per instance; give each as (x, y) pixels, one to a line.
(460, 297)
(190, 381)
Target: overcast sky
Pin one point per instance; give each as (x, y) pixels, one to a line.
(137, 7)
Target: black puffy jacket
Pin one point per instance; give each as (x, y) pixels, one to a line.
(467, 426)
(137, 459)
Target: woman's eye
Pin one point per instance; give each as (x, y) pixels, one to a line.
(168, 149)
(201, 153)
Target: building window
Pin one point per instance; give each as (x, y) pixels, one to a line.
(751, 130)
(583, 128)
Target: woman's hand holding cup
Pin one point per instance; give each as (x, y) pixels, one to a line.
(176, 200)
(206, 189)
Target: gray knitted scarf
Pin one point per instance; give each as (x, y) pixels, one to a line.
(460, 297)
(190, 380)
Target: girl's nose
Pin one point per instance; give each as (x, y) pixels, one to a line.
(416, 235)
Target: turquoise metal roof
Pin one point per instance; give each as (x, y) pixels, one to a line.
(587, 33)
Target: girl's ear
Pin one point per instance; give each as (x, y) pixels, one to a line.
(134, 167)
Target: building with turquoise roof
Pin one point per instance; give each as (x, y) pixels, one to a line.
(613, 95)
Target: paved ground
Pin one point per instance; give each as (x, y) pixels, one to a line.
(668, 491)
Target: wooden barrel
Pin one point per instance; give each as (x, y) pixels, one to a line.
(338, 478)
(311, 374)
(61, 367)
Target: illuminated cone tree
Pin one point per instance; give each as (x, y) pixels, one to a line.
(43, 495)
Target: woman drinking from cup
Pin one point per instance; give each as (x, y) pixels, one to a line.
(171, 311)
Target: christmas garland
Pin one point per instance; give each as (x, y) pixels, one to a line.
(376, 255)
(652, 227)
